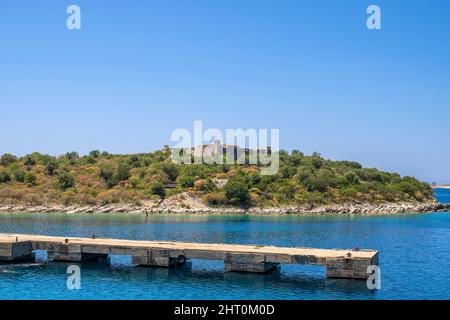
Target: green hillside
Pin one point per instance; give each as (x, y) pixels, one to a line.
(103, 178)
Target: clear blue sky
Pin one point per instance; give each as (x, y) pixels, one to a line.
(140, 69)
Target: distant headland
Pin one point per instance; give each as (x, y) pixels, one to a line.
(440, 186)
(150, 182)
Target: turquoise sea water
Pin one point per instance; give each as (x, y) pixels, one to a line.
(414, 257)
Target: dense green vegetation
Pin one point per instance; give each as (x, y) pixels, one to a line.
(103, 178)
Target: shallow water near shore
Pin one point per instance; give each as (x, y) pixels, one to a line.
(414, 257)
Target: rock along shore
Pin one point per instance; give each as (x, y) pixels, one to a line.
(356, 209)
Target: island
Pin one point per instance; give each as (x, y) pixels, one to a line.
(148, 183)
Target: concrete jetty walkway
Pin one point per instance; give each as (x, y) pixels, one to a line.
(242, 258)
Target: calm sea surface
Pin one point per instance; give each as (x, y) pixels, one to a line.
(414, 257)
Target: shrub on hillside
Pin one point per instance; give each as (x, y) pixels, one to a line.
(187, 181)
(89, 160)
(236, 191)
(19, 175)
(4, 177)
(95, 153)
(51, 167)
(134, 181)
(123, 171)
(348, 192)
(134, 161)
(215, 198)
(29, 160)
(106, 171)
(287, 192)
(205, 185)
(30, 178)
(303, 174)
(171, 170)
(7, 158)
(72, 155)
(157, 188)
(352, 178)
(66, 181)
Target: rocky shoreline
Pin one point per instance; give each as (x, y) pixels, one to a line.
(354, 209)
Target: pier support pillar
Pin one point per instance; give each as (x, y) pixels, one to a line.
(248, 263)
(348, 267)
(72, 252)
(157, 258)
(15, 251)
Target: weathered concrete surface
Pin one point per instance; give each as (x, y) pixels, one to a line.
(157, 258)
(243, 262)
(243, 258)
(349, 267)
(12, 250)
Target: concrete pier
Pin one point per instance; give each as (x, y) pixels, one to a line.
(240, 258)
